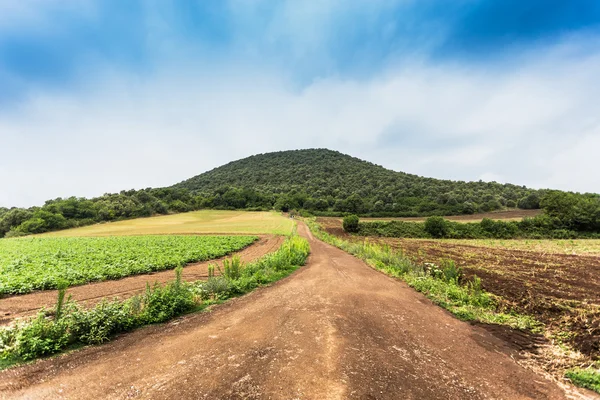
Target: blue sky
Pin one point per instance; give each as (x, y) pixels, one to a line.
(99, 96)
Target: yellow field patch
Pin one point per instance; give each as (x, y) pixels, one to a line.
(554, 246)
(195, 222)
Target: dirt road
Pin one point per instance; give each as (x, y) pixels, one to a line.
(335, 329)
(29, 304)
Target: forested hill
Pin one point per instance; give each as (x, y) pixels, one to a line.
(316, 181)
(322, 180)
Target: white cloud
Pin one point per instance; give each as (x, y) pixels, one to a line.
(537, 124)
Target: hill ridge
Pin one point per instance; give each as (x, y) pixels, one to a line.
(319, 181)
(324, 174)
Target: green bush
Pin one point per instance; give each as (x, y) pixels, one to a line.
(162, 303)
(499, 229)
(215, 288)
(232, 269)
(437, 227)
(38, 337)
(350, 223)
(99, 324)
(540, 227)
(393, 229)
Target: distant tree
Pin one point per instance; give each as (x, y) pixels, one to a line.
(573, 210)
(437, 227)
(529, 202)
(469, 208)
(13, 218)
(283, 203)
(179, 206)
(354, 204)
(321, 204)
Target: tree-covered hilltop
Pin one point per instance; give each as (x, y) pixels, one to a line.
(322, 180)
(318, 181)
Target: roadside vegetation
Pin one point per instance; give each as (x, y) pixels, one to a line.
(70, 324)
(28, 264)
(559, 293)
(443, 283)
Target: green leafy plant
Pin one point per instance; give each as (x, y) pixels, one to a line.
(350, 223)
(232, 269)
(587, 378)
(28, 264)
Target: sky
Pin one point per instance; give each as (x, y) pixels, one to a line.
(101, 96)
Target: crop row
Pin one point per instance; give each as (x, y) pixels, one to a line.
(28, 264)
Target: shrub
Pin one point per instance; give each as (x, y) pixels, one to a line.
(500, 229)
(529, 202)
(393, 229)
(39, 337)
(162, 303)
(350, 223)
(437, 227)
(215, 288)
(98, 324)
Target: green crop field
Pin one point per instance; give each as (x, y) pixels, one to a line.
(28, 264)
(195, 222)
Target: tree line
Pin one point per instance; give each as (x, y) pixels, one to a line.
(565, 215)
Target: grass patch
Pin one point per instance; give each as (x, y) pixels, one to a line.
(70, 324)
(443, 283)
(195, 222)
(586, 378)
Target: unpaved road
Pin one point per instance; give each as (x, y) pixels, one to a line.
(335, 329)
(28, 304)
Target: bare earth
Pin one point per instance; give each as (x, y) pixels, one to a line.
(29, 304)
(335, 329)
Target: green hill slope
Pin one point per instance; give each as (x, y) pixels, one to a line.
(322, 180)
